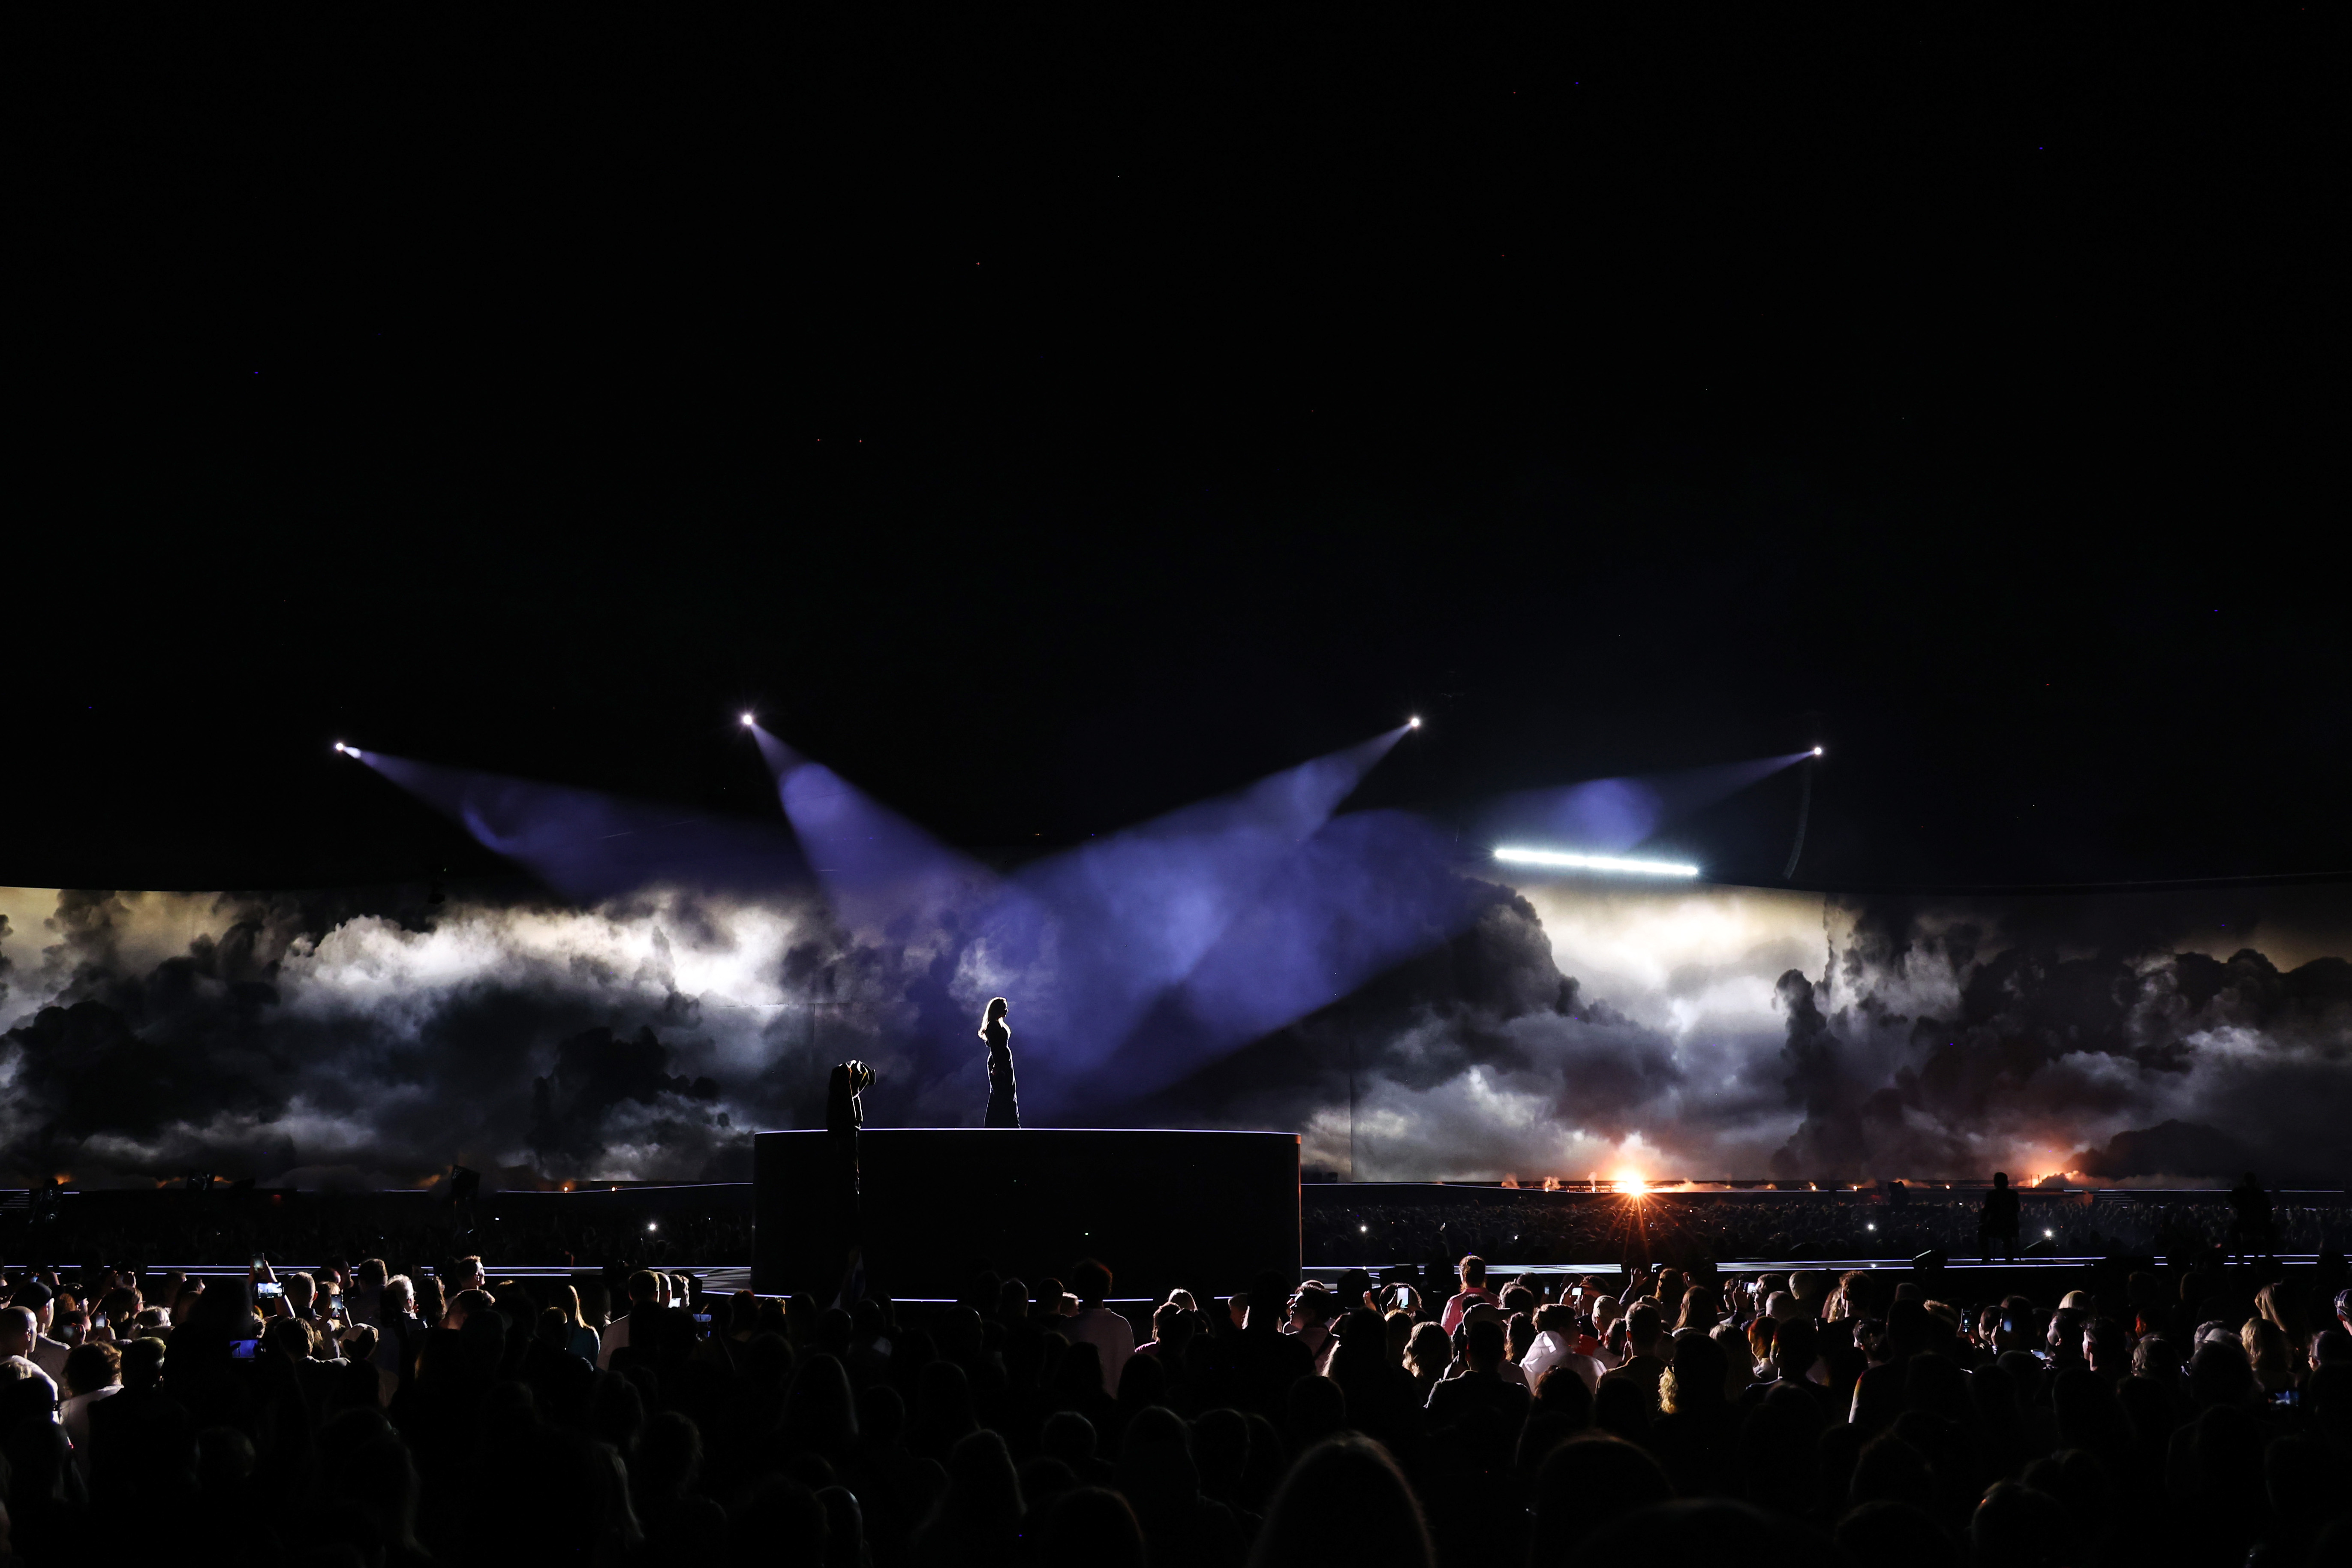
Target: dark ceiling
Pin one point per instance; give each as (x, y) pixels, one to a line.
(1050, 421)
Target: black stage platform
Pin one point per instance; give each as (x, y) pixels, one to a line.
(1162, 1209)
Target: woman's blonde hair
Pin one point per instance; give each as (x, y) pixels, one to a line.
(1428, 1351)
(2268, 1349)
(2280, 1303)
(567, 1301)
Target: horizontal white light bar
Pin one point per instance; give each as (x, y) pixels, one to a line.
(1593, 862)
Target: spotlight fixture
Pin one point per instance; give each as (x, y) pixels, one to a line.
(747, 720)
(1593, 862)
(1414, 723)
(347, 751)
(1817, 751)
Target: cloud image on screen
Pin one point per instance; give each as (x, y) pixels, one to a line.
(1476, 1026)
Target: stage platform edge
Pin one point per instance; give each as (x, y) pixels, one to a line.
(1161, 1208)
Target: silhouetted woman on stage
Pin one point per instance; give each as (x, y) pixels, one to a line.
(1003, 1099)
(844, 1115)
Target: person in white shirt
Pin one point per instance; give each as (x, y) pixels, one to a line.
(1605, 1312)
(47, 1353)
(1310, 1323)
(397, 1335)
(1555, 1345)
(93, 1372)
(1097, 1325)
(16, 1336)
(643, 1286)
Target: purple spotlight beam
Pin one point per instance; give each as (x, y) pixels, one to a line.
(1116, 922)
(1085, 940)
(590, 847)
(1369, 892)
(883, 874)
(1607, 815)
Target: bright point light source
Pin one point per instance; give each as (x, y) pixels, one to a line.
(1593, 862)
(1412, 723)
(347, 751)
(747, 720)
(1817, 751)
(1630, 1183)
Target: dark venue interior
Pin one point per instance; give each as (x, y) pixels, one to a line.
(871, 788)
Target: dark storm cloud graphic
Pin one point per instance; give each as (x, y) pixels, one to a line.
(1554, 1028)
(1930, 1038)
(2050, 1018)
(598, 1075)
(375, 1045)
(1494, 1049)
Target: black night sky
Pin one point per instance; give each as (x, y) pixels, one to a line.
(1048, 421)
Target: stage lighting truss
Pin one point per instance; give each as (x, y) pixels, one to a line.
(1570, 860)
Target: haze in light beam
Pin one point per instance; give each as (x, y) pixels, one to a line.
(589, 846)
(1082, 941)
(1612, 814)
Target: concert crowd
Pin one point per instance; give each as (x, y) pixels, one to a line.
(357, 1416)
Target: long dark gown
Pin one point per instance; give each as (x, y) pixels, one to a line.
(844, 1115)
(1003, 1097)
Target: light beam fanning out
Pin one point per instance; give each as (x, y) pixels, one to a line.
(1593, 862)
(1612, 815)
(593, 847)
